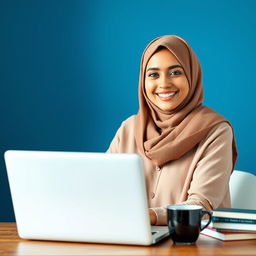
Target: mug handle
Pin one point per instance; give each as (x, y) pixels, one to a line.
(209, 221)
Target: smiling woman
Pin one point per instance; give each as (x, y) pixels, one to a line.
(188, 149)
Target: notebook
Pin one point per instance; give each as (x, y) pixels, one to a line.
(81, 197)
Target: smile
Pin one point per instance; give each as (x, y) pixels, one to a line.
(166, 96)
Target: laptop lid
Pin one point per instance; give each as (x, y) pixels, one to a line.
(85, 197)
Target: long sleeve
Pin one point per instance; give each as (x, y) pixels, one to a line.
(208, 175)
(210, 181)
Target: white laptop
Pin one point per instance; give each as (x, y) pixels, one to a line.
(81, 197)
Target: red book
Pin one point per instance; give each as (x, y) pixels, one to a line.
(228, 236)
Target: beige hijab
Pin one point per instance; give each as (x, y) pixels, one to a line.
(164, 136)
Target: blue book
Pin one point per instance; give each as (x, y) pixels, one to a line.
(233, 220)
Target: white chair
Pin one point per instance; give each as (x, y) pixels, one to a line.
(243, 190)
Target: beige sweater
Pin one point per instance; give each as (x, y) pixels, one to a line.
(201, 176)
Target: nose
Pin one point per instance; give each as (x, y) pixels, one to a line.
(165, 82)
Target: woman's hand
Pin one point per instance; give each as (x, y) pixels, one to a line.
(152, 215)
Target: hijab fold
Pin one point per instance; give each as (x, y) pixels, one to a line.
(164, 136)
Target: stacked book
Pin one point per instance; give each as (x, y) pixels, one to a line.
(232, 224)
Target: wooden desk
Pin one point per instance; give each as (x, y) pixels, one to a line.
(11, 244)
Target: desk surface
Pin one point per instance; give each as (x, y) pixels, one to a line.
(11, 244)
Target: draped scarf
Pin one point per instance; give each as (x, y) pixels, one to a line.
(163, 136)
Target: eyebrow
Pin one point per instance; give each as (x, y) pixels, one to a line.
(171, 67)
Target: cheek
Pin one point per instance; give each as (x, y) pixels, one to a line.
(185, 91)
(149, 87)
(185, 88)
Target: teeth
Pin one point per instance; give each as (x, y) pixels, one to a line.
(165, 95)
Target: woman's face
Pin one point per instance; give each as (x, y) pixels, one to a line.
(166, 84)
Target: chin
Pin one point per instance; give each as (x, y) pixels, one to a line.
(166, 108)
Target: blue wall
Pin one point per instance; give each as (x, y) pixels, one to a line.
(69, 69)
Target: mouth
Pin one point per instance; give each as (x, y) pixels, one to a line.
(166, 96)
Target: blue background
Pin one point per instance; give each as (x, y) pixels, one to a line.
(69, 69)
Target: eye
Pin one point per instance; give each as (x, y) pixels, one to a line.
(175, 72)
(153, 74)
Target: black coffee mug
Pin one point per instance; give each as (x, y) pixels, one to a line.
(184, 222)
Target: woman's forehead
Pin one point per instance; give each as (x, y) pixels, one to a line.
(162, 58)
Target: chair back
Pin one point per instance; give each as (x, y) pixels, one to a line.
(243, 190)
